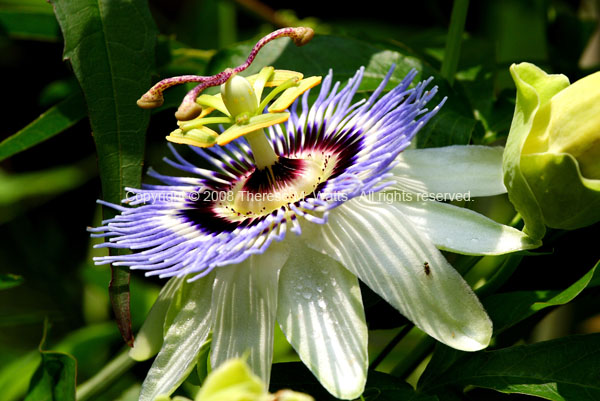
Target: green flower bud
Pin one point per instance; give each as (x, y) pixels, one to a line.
(233, 381)
(552, 157)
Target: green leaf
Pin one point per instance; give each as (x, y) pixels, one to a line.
(54, 379)
(16, 374)
(111, 48)
(10, 281)
(90, 345)
(30, 26)
(175, 58)
(14, 188)
(506, 310)
(28, 19)
(561, 370)
(379, 387)
(454, 124)
(54, 121)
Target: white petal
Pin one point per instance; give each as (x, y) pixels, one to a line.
(470, 170)
(244, 306)
(461, 230)
(183, 341)
(375, 242)
(321, 313)
(149, 339)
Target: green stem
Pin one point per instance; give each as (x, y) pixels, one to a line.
(422, 346)
(105, 377)
(390, 346)
(500, 275)
(453, 42)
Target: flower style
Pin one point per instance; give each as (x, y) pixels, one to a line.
(356, 207)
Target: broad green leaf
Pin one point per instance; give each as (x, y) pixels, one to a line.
(510, 308)
(506, 310)
(111, 46)
(89, 346)
(379, 387)
(454, 124)
(561, 370)
(10, 281)
(15, 375)
(54, 379)
(54, 121)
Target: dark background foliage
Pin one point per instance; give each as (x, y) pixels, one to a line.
(48, 192)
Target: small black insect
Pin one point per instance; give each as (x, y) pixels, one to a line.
(427, 268)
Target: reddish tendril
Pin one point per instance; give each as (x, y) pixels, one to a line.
(189, 109)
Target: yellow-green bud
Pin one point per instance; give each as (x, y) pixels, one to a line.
(552, 156)
(239, 96)
(574, 126)
(233, 381)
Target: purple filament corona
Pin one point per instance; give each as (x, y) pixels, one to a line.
(188, 226)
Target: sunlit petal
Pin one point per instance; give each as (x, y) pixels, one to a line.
(387, 253)
(461, 230)
(244, 305)
(183, 340)
(473, 170)
(320, 310)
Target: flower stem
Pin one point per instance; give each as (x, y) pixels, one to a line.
(423, 345)
(453, 42)
(101, 380)
(262, 150)
(391, 345)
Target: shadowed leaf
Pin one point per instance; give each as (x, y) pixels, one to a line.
(111, 45)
